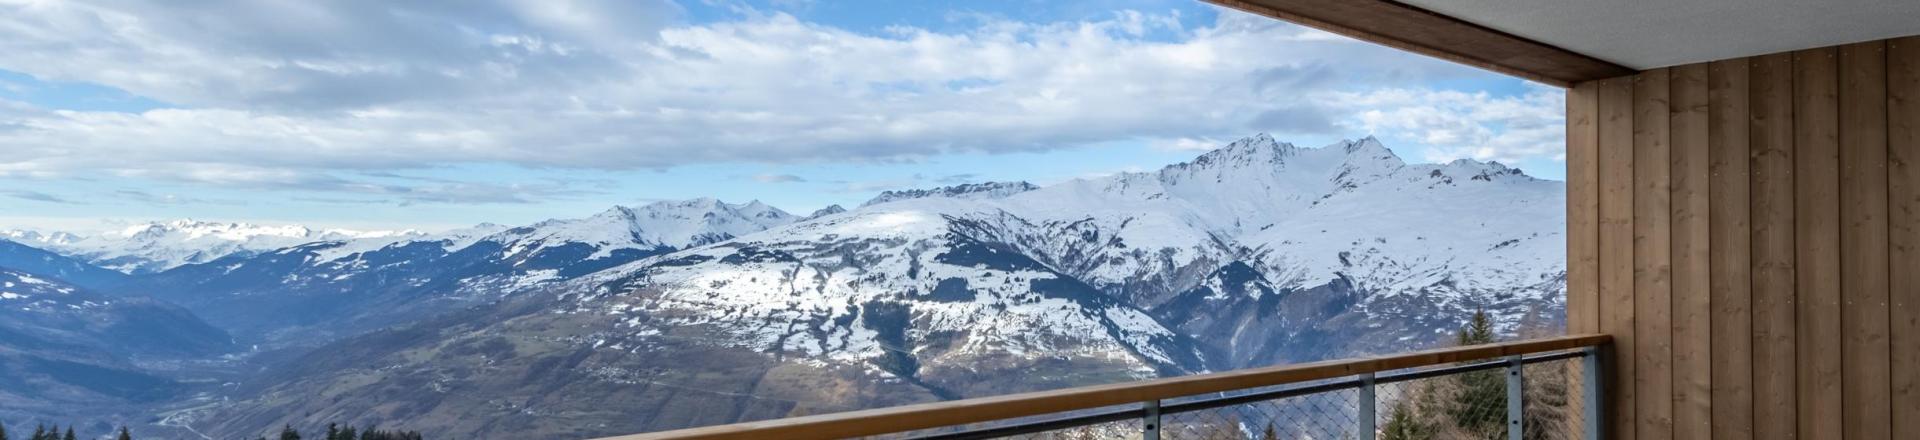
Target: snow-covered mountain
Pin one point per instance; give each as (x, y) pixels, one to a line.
(974, 191)
(313, 292)
(1257, 253)
(157, 246)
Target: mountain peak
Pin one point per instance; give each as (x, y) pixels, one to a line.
(1252, 150)
(1477, 170)
(823, 212)
(985, 190)
(1369, 150)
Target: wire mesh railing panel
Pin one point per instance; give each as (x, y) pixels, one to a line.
(1332, 415)
(1556, 403)
(1129, 429)
(1473, 405)
(1467, 401)
(1463, 406)
(1113, 422)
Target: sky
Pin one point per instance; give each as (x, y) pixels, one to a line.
(441, 114)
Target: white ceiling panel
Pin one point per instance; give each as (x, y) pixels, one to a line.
(1645, 34)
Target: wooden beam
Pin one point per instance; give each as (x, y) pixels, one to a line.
(1417, 30)
(1583, 208)
(959, 412)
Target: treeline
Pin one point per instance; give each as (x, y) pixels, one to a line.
(338, 432)
(42, 432)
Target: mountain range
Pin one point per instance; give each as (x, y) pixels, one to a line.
(158, 246)
(686, 313)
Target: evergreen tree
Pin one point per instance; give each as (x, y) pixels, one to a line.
(1269, 434)
(349, 433)
(1479, 330)
(3, 431)
(1402, 425)
(1479, 408)
(124, 435)
(333, 432)
(39, 432)
(287, 433)
(69, 435)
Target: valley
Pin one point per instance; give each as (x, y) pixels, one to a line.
(695, 312)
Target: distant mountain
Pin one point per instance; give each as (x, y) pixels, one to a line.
(823, 212)
(64, 347)
(972, 191)
(158, 246)
(1254, 254)
(315, 292)
(36, 261)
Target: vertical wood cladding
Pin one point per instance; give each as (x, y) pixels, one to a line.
(1749, 231)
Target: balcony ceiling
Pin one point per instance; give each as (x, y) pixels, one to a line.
(1645, 34)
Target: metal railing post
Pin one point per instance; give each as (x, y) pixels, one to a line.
(1369, 425)
(1151, 422)
(1516, 398)
(1594, 409)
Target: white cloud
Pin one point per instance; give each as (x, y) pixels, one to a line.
(293, 93)
(778, 178)
(1466, 125)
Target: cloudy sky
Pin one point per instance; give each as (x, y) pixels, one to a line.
(444, 113)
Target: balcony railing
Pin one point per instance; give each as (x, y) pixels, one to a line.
(1534, 389)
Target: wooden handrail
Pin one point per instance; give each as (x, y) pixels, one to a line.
(959, 412)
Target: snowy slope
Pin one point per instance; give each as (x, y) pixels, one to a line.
(843, 275)
(345, 286)
(671, 224)
(970, 191)
(1254, 254)
(1351, 222)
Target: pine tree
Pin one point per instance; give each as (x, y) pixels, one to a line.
(3, 431)
(333, 432)
(39, 432)
(1401, 425)
(124, 435)
(1479, 330)
(1479, 408)
(1269, 434)
(287, 433)
(69, 435)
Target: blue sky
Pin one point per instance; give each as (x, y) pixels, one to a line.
(435, 115)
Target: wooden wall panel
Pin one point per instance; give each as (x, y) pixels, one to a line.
(1652, 256)
(1583, 209)
(1616, 249)
(1775, 354)
(1903, 174)
(1730, 254)
(1757, 226)
(1816, 153)
(1864, 378)
(1691, 289)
